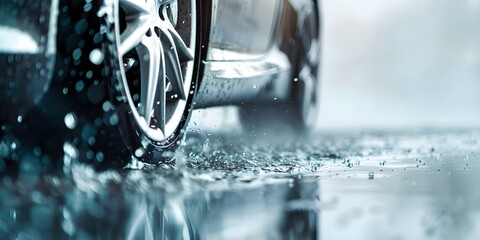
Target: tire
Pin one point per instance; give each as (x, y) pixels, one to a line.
(299, 112)
(88, 113)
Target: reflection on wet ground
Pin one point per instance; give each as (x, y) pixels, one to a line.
(419, 185)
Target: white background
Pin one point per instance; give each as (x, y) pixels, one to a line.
(400, 64)
(396, 64)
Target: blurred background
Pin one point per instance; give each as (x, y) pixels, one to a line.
(397, 64)
(400, 64)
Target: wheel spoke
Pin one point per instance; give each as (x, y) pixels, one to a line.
(132, 35)
(149, 51)
(137, 23)
(172, 65)
(134, 7)
(161, 97)
(162, 61)
(184, 52)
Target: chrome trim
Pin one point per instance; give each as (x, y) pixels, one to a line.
(235, 82)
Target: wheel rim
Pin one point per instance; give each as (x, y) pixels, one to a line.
(156, 45)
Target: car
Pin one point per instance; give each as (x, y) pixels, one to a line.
(114, 82)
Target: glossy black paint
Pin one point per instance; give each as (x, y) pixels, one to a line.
(25, 77)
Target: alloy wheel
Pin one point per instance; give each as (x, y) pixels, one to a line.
(156, 46)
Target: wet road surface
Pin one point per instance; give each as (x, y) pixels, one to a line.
(374, 185)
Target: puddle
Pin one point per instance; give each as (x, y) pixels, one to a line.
(332, 186)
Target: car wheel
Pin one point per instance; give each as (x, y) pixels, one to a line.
(122, 86)
(299, 112)
(155, 52)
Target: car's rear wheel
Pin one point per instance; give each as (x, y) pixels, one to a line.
(156, 44)
(299, 112)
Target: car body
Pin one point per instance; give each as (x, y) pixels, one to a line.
(84, 81)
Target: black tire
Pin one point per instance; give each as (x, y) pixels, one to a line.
(84, 116)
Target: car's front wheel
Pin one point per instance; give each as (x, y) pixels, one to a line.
(155, 52)
(122, 86)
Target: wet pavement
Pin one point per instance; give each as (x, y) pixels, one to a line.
(331, 185)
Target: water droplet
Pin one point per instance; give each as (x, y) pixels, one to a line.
(70, 120)
(139, 152)
(113, 119)
(295, 79)
(67, 224)
(81, 26)
(87, 7)
(70, 153)
(106, 106)
(255, 86)
(79, 86)
(4, 151)
(89, 74)
(77, 53)
(371, 175)
(19, 118)
(100, 157)
(90, 155)
(96, 56)
(37, 151)
(91, 141)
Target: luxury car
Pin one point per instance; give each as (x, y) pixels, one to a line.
(111, 81)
